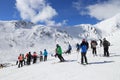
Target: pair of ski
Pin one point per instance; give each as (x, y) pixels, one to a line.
(64, 61)
(83, 63)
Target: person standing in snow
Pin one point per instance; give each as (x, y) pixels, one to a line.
(20, 60)
(59, 53)
(106, 45)
(29, 58)
(93, 46)
(34, 56)
(45, 54)
(84, 47)
(41, 56)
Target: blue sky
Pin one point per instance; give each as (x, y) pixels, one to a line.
(59, 12)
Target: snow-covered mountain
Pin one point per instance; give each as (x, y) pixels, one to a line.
(109, 26)
(81, 31)
(21, 36)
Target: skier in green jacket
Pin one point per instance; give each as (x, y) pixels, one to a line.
(59, 53)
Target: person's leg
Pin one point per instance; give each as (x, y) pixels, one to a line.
(85, 58)
(44, 58)
(104, 51)
(59, 56)
(82, 58)
(95, 51)
(107, 52)
(18, 64)
(62, 58)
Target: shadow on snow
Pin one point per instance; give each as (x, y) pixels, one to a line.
(103, 62)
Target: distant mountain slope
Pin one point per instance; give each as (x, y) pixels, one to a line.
(109, 26)
(81, 31)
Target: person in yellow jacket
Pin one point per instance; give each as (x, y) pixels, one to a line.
(20, 60)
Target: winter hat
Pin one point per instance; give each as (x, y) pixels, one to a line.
(57, 45)
(83, 40)
(104, 39)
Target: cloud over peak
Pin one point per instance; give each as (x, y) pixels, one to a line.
(100, 10)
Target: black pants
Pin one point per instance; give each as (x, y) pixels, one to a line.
(28, 61)
(24, 62)
(41, 58)
(20, 64)
(34, 60)
(45, 58)
(94, 51)
(60, 57)
(106, 52)
(83, 57)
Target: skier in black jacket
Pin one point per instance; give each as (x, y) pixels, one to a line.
(106, 45)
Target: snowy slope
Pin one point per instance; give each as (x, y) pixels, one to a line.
(20, 37)
(81, 31)
(109, 26)
(100, 68)
(15, 40)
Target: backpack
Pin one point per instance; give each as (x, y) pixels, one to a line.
(106, 43)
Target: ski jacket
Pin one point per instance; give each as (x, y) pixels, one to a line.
(93, 44)
(29, 56)
(34, 55)
(59, 50)
(106, 43)
(84, 47)
(20, 58)
(45, 53)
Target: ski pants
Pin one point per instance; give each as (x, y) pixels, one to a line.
(60, 57)
(106, 52)
(28, 61)
(20, 64)
(94, 51)
(41, 58)
(34, 60)
(45, 58)
(83, 57)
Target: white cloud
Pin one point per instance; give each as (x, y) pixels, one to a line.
(35, 10)
(52, 23)
(102, 10)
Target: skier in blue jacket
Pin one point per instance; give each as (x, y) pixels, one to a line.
(45, 54)
(84, 47)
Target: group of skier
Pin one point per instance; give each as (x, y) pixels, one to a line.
(28, 58)
(103, 43)
(83, 47)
